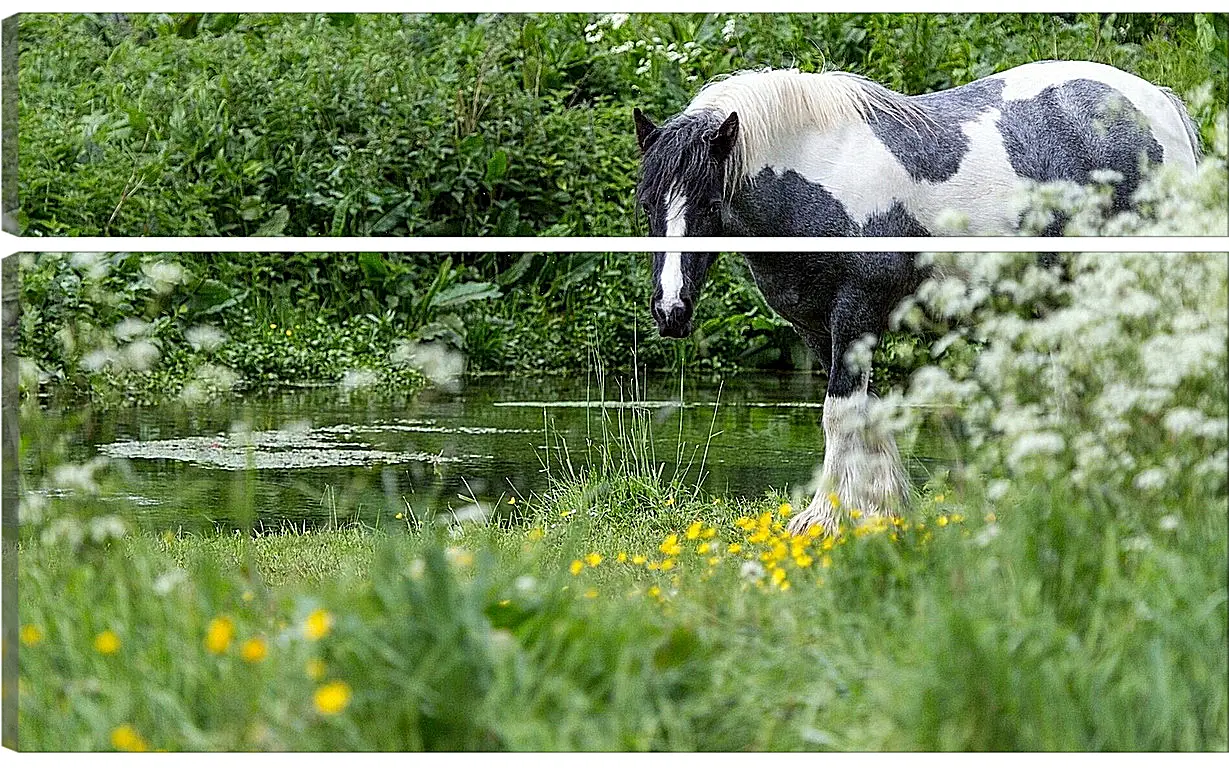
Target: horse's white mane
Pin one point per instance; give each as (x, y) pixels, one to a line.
(775, 103)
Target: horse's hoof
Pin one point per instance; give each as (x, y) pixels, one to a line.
(821, 517)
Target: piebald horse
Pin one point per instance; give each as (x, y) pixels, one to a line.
(787, 153)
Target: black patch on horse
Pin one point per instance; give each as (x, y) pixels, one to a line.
(931, 148)
(1070, 130)
(787, 205)
(894, 222)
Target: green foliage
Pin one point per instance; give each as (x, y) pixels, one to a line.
(442, 124)
(286, 318)
(1062, 588)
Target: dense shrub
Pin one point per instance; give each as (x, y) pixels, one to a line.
(519, 124)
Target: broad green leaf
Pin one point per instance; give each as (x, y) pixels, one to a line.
(462, 293)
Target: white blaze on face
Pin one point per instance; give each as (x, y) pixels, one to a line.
(672, 268)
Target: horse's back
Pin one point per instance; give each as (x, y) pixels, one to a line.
(1085, 89)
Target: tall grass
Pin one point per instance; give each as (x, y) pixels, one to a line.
(1045, 598)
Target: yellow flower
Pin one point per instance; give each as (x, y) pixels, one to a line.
(273, 326)
(106, 643)
(708, 533)
(590, 593)
(638, 559)
(126, 739)
(653, 566)
(714, 560)
(622, 557)
(654, 591)
(671, 545)
(567, 513)
(834, 501)
(576, 567)
(942, 520)
(254, 650)
(670, 502)
(745, 523)
(315, 668)
(317, 624)
(957, 518)
(31, 635)
(826, 561)
(593, 559)
(287, 331)
(785, 509)
(399, 515)
(248, 596)
(693, 530)
(512, 501)
(778, 575)
(332, 698)
(734, 549)
(535, 534)
(221, 631)
(991, 517)
(804, 560)
(667, 564)
(855, 513)
(704, 548)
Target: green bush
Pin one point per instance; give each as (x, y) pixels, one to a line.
(396, 124)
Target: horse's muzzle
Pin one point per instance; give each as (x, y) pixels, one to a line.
(674, 322)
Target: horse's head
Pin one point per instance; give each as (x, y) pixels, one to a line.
(677, 279)
(683, 167)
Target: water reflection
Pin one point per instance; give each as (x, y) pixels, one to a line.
(307, 455)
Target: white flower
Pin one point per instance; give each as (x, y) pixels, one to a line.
(1034, 444)
(1150, 479)
(361, 378)
(163, 276)
(140, 355)
(439, 362)
(129, 328)
(107, 527)
(169, 580)
(97, 359)
(204, 338)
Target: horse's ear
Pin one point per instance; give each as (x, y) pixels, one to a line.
(722, 142)
(646, 132)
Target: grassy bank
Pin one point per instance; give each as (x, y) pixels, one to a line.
(1061, 585)
(647, 618)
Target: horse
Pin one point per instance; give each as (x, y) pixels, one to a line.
(787, 153)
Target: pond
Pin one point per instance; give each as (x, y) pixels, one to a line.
(309, 456)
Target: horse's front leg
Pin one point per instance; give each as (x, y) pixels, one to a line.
(862, 468)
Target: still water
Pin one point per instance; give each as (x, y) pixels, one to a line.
(308, 456)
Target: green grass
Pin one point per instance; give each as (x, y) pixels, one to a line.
(1062, 586)
(943, 632)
